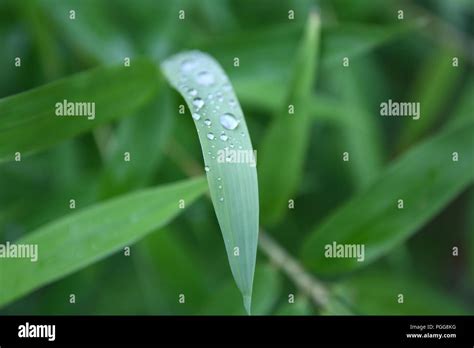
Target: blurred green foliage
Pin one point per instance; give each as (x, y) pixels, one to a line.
(405, 60)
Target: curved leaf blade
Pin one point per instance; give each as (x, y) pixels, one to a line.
(80, 239)
(28, 121)
(232, 181)
(426, 179)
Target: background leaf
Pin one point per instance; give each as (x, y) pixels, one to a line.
(28, 122)
(353, 39)
(435, 87)
(92, 33)
(87, 236)
(144, 136)
(376, 293)
(426, 179)
(284, 146)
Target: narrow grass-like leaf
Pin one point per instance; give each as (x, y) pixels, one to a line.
(82, 238)
(144, 137)
(28, 121)
(351, 40)
(426, 179)
(37, 24)
(92, 32)
(373, 293)
(285, 143)
(360, 131)
(263, 83)
(435, 85)
(463, 111)
(228, 156)
(176, 267)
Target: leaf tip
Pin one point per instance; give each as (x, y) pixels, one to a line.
(248, 304)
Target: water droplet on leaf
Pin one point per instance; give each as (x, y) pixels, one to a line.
(229, 121)
(187, 65)
(205, 78)
(192, 92)
(198, 103)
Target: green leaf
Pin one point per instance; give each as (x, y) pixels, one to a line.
(263, 82)
(351, 40)
(82, 238)
(360, 131)
(42, 33)
(233, 184)
(433, 89)
(376, 293)
(463, 110)
(426, 179)
(144, 136)
(284, 146)
(176, 269)
(28, 121)
(92, 32)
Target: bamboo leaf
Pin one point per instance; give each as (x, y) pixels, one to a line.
(352, 40)
(263, 82)
(376, 293)
(284, 146)
(176, 268)
(426, 179)
(228, 156)
(80, 239)
(93, 32)
(360, 131)
(143, 136)
(28, 121)
(435, 85)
